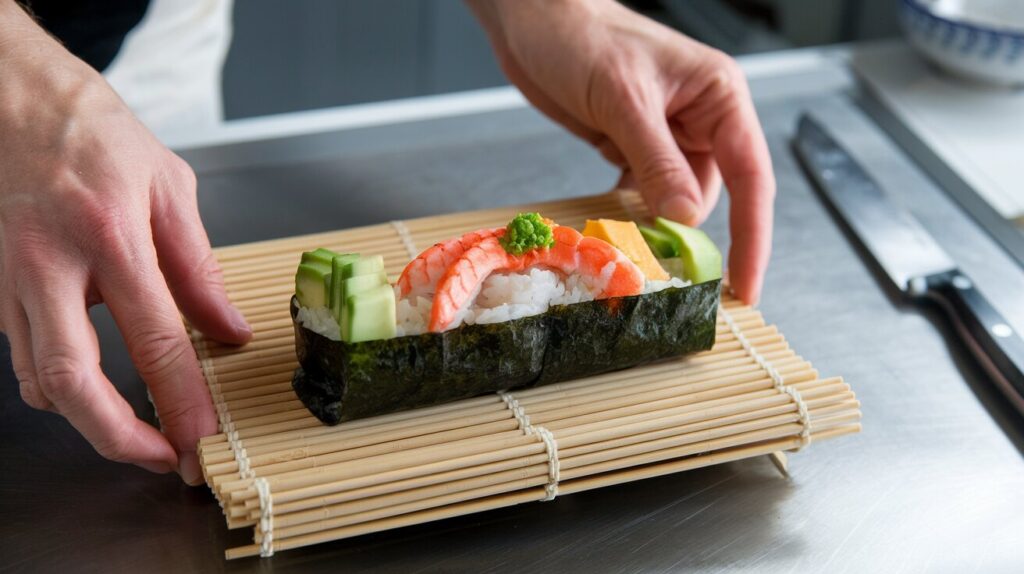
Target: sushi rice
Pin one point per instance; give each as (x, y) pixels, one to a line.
(502, 297)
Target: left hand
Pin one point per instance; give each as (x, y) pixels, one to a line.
(675, 114)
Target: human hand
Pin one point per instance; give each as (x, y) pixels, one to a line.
(674, 114)
(94, 209)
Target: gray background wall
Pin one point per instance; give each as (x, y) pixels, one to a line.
(302, 54)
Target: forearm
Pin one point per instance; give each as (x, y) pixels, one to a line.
(498, 16)
(41, 83)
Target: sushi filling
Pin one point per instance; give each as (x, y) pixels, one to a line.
(502, 297)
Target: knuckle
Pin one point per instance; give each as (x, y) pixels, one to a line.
(116, 446)
(31, 394)
(209, 269)
(157, 352)
(179, 415)
(60, 378)
(28, 259)
(726, 78)
(111, 229)
(661, 169)
(182, 176)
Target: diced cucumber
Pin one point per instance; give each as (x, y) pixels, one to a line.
(309, 285)
(363, 266)
(369, 315)
(701, 259)
(660, 242)
(336, 284)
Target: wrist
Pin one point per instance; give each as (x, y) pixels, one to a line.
(34, 63)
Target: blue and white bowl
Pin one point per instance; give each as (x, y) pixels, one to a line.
(982, 40)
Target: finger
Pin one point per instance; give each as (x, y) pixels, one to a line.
(141, 304)
(20, 341)
(611, 152)
(742, 155)
(187, 262)
(626, 180)
(706, 170)
(67, 370)
(666, 180)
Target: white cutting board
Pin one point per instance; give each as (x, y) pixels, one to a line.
(976, 130)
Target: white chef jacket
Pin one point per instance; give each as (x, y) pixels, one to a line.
(169, 68)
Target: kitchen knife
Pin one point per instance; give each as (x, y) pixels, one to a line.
(911, 259)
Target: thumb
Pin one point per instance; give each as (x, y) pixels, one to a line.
(188, 264)
(666, 180)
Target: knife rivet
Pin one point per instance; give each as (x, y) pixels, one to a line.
(1001, 330)
(917, 286)
(961, 282)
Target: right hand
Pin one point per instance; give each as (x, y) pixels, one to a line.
(94, 209)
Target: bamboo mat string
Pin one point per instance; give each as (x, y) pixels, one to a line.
(406, 237)
(266, 518)
(242, 458)
(544, 435)
(778, 381)
(554, 466)
(522, 419)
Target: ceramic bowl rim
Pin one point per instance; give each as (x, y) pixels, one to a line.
(1014, 32)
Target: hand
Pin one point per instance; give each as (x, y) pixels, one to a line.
(94, 209)
(674, 114)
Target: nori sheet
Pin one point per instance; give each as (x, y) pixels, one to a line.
(340, 381)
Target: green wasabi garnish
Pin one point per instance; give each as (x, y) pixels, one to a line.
(526, 231)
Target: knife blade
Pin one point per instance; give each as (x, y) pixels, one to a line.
(910, 257)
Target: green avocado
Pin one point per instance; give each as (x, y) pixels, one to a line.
(661, 243)
(309, 285)
(336, 282)
(321, 257)
(363, 266)
(700, 256)
(369, 314)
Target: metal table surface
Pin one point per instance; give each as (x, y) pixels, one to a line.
(934, 483)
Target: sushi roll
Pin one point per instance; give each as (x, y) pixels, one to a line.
(528, 304)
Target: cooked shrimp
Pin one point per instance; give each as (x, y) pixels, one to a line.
(421, 275)
(607, 270)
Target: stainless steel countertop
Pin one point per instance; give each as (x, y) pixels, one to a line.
(934, 483)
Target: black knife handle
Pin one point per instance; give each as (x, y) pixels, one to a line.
(992, 340)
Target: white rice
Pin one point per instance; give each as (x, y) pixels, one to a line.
(502, 297)
(320, 320)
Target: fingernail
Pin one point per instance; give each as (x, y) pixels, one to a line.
(238, 321)
(680, 209)
(157, 467)
(189, 469)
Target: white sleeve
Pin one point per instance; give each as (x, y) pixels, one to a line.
(169, 68)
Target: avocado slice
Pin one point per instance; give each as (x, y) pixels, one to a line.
(320, 256)
(701, 259)
(363, 283)
(336, 281)
(363, 266)
(369, 315)
(309, 285)
(661, 243)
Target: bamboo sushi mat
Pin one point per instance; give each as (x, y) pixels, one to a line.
(296, 482)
